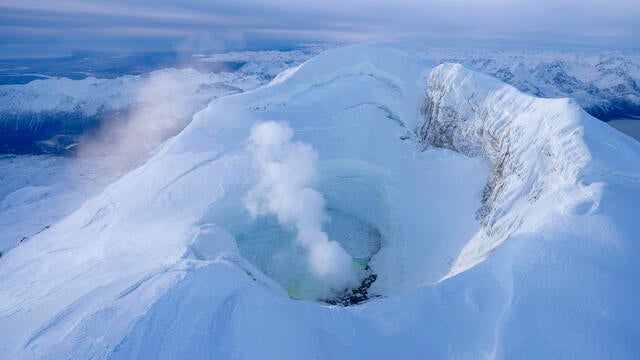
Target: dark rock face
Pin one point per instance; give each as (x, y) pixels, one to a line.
(358, 295)
(447, 127)
(532, 145)
(466, 127)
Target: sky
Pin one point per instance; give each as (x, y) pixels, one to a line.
(31, 28)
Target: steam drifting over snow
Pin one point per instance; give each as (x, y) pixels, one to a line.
(286, 171)
(165, 106)
(114, 279)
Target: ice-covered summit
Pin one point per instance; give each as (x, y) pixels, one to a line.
(497, 224)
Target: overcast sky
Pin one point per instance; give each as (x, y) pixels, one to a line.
(54, 27)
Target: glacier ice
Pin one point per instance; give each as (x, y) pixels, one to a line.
(407, 155)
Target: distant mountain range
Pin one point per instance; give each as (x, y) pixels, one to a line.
(49, 114)
(605, 83)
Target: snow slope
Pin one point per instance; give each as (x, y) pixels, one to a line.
(500, 225)
(38, 191)
(109, 123)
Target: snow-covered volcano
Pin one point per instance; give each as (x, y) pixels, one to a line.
(498, 224)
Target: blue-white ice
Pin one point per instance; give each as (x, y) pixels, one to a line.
(166, 262)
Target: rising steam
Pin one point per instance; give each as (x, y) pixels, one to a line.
(286, 170)
(163, 105)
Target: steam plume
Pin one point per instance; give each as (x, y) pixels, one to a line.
(286, 170)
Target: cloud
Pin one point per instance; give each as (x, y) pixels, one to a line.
(542, 22)
(286, 170)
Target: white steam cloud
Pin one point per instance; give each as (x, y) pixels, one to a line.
(286, 171)
(163, 104)
(156, 114)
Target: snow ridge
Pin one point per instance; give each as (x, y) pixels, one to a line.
(536, 147)
(149, 267)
